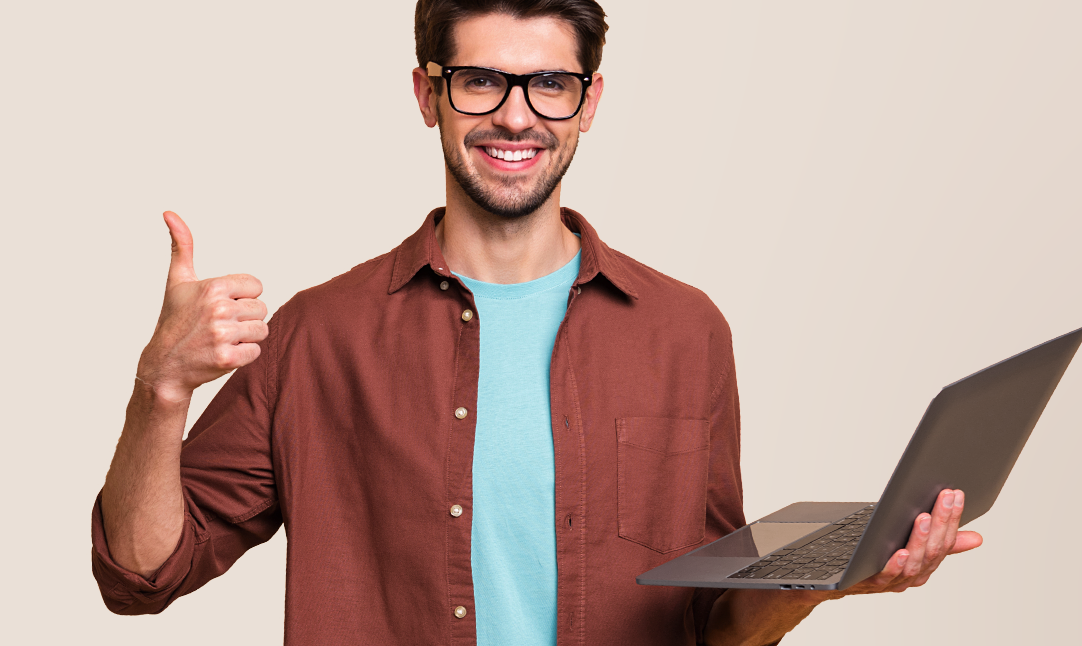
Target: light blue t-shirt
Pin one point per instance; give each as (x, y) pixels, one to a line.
(513, 547)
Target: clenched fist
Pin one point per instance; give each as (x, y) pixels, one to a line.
(207, 328)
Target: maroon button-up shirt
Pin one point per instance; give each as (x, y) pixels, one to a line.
(345, 430)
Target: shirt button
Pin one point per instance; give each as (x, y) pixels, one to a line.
(456, 510)
(460, 612)
(461, 412)
(467, 315)
(444, 285)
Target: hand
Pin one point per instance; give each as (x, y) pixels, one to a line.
(933, 537)
(207, 328)
(764, 616)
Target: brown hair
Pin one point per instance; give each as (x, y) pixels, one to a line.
(434, 23)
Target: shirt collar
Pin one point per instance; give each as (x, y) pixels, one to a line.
(421, 249)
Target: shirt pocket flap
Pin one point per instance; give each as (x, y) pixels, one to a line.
(664, 435)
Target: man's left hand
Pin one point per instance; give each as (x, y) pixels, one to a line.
(934, 536)
(764, 616)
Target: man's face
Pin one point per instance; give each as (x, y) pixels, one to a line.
(473, 145)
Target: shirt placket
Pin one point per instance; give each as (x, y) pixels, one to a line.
(461, 426)
(570, 457)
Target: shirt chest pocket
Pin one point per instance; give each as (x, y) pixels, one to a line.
(662, 466)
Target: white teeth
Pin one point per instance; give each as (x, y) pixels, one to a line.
(509, 155)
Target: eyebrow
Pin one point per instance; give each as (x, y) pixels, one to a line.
(487, 67)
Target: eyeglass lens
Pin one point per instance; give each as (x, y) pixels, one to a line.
(555, 95)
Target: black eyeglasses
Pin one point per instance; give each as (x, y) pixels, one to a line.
(478, 91)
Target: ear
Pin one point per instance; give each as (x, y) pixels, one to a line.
(593, 97)
(427, 99)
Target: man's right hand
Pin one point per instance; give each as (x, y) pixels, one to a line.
(207, 328)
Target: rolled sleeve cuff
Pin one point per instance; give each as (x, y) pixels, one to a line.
(126, 592)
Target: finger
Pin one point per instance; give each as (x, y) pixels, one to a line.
(250, 309)
(181, 260)
(885, 579)
(895, 568)
(251, 331)
(918, 542)
(942, 513)
(226, 334)
(247, 353)
(954, 520)
(241, 286)
(966, 541)
(232, 357)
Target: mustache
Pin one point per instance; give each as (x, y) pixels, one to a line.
(544, 139)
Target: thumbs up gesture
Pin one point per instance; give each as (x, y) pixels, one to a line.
(207, 328)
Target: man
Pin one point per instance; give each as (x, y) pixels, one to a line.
(483, 435)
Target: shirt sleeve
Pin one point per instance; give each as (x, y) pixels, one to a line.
(230, 498)
(725, 492)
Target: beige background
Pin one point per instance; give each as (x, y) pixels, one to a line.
(881, 197)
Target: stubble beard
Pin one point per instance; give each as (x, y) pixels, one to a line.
(507, 197)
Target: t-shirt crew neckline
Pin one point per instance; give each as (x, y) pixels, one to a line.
(563, 276)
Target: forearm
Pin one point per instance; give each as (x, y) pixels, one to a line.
(142, 503)
(758, 617)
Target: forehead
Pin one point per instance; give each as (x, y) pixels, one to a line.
(515, 45)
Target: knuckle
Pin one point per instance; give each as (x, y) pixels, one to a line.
(213, 289)
(219, 334)
(220, 310)
(223, 357)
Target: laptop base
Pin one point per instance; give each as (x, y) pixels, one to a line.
(710, 565)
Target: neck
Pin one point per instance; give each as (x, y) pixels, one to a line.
(496, 249)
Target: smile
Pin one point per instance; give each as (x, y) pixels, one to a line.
(510, 155)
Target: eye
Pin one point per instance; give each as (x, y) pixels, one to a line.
(553, 83)
(477, 81)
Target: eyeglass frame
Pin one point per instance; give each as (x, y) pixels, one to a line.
(513, 81)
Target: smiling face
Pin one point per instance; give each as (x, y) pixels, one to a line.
(509, 162)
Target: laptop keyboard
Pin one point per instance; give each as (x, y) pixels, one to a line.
(818, 558)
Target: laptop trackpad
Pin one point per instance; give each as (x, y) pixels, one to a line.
(759, 539)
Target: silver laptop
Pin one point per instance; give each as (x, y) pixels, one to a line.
(969, 439)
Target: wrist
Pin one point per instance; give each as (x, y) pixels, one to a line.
(162, 394)
(157, 387)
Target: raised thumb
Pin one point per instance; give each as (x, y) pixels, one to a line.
(181, 267)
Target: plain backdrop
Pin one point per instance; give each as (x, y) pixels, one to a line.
(882, 197)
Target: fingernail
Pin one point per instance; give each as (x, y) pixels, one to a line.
(948, 500)
(925, 523)
(903, 556)
(959, 498)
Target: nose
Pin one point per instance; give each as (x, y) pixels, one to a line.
(515, 114)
